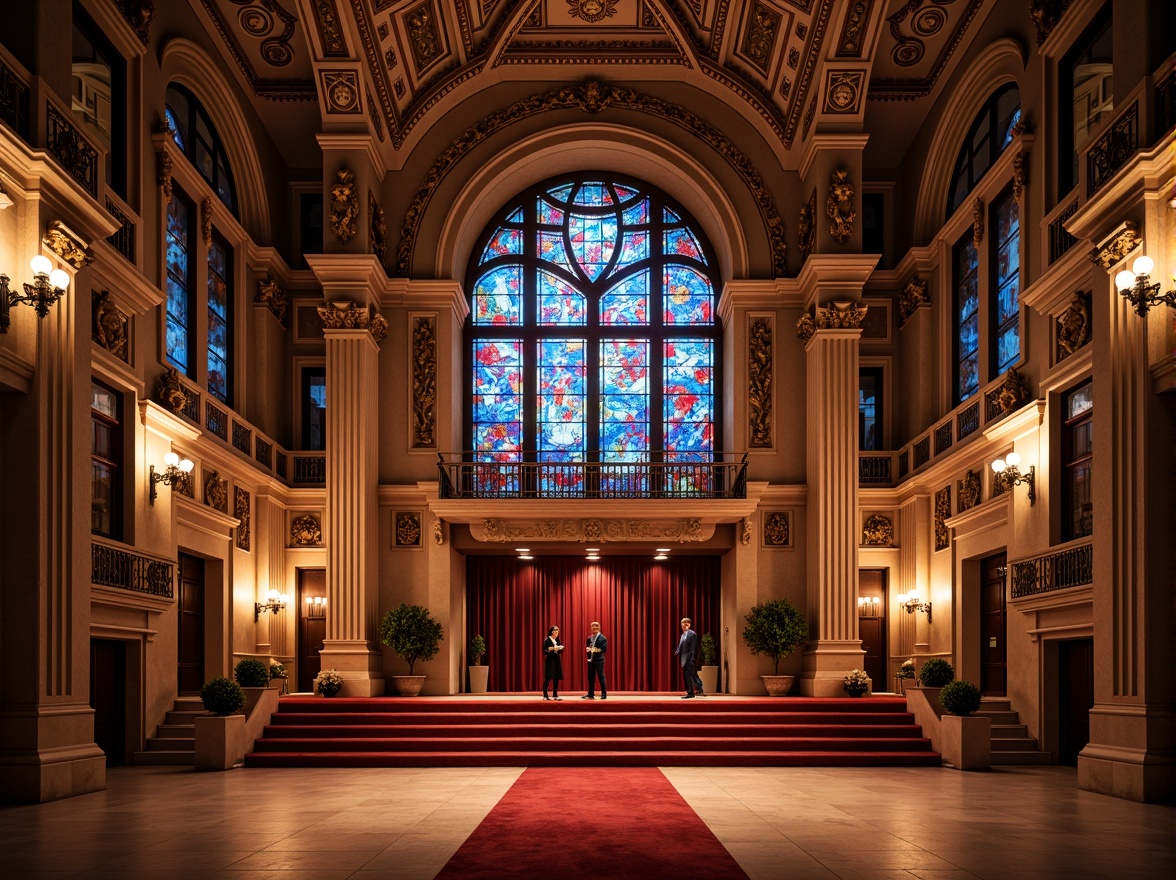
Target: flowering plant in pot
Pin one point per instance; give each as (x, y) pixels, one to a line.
(905, 675)
(775, 628)
(329, 683)
(856, 682)
(413, 634)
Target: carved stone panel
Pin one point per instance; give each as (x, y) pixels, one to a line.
(1073, 325)
(305, 531)
(942, 514)
(878, 531)
(839, 206)
(216, 493)
(110, 326)
(424, 382)
(344, 206)
(778, 529)
(759, 383)
(913, 295)
(969, 489)
(241, 511)
(408, 529)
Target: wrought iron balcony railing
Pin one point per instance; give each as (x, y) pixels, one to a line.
(1056, 570)
(466, 477)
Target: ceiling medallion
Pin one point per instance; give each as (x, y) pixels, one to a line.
(592, 11)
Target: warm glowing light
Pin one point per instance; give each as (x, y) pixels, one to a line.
(1124, 280)
(1143, 265)
(526, 557)
(59, 278)
(1012, 459)
(661, 556)
(998, 466)
(171, 459)
(40, 265)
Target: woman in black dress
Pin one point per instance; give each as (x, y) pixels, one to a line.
(552, 665)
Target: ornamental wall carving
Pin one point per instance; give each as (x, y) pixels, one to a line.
(1121, 243)
(139, 14)
(241, 511)
(835, 316)
(746, 532)
(942, 514)
(110, 326)
(844, 95)
(1073, 325)
(1046, 14)
(407, 529)
(759, 383)
(969, 491)
(344, 315)
(165, 174)
(777, 529)
(340, 90)
(438, 532)
(271, 295)
(913, 295)
(216, 493)
(171, 393)
(305, 531)
(1014, 391)
(424, 382)
(60, 239)
(683, 531)
(839, 206)
(878, 531)
(807, 227)
(344, 211)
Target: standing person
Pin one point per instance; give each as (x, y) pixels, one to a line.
(687, 654)
(596, 648)
(552, 665)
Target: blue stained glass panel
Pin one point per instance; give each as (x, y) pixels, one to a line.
(624, 193)
(497, 393)
(560, 303)
(177, 344)
(562, 383)
(593, 241)
(218, 317)
(688, 297)
(634, 247)
(560, 193)
(491, 408)
(503, 241)
(1007, 301)
(516, 216)
(498, 297)
(627, 302)
(547, 213)
(1008, 348)
(681, 242)
(593, 194)
(636, 215)
(551, 248)
(688, 395)
(624, 399)
(669, 216)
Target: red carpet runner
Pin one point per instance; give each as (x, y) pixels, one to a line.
(607, 822)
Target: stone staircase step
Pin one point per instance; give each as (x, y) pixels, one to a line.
(172, 744)
(1020, 758)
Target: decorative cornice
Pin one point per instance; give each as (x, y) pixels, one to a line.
(64, 242)
(684, 531)
(1118, 245)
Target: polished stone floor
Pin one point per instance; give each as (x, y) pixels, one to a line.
(253, 824)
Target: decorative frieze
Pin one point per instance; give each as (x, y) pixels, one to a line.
(305, 531)
(942, 514)
(1123, 241)
(759, 383)
(346, 315)
(424, 382)
(60, 239)
(835, 316)
(878, 531)
(408, 529)
(216, 493)
(777, 529)
(344, 210)
(839, 206)
(683, 531)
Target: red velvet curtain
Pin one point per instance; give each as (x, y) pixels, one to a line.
(638, 601)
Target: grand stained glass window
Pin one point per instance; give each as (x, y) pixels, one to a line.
(592, 338)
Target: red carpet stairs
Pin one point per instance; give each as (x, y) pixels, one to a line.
(423, 732)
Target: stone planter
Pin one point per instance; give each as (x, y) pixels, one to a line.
(409, 685)
(252, 698)
(710, 679)
(966, 741)
(777, 685)
(478, 678)
(904, 684)
(220, 741)
(932, 695)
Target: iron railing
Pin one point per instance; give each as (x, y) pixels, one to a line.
(126, 570)
(1058, 570)
(468, 478)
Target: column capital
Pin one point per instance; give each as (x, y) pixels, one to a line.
(357, 277)
(826, 278)
(342, 318)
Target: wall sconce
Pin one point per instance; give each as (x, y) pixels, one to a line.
(869, 606)
(910, 601)
(1135, 287)
(48, 287)
(1006, 470)
(274, 602)
(316, 606)
(176, 469)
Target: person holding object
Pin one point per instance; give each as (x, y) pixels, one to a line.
(596, 648)
(552, 665)
(687, 654)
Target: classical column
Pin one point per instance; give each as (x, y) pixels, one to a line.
(914, 542)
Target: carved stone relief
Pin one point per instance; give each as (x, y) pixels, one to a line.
(807, 227)
(942, 514)
(110, 326)
(878, 531)
(408, 529)
(216, 493)
(759, 383)
(340, 89)
(969, 491)
(844, 95)
(1014, 391)
(60, 239)
(241, 511)
(438, 532)
(424, 382)
(139, 14)
(1073, 325)
(344, 315)
(344, 206)
(913, 295)
(777, 529)
(170, 391)
(305, 531)
(835, 316)
(745, 533)
(271, 295)
(839, 206)
(1124, 241)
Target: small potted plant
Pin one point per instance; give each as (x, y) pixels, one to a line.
(905, 675)
(966, 739)
(413, 634)
(254, 678)
(775, 628)
(277, 675)
(856, 683)
(220, 736)
(709, 672)
(479, 674)
(329, 683)
(933, 675)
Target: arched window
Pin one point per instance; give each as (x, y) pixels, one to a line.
(991, 132)
(195, 134)
(592, 338)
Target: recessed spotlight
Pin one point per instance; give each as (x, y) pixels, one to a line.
(526, 557)
(661, 556)
(522, 549)
(662, 550)
(592, 558)
(592, 549)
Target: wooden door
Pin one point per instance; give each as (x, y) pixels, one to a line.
(872, 626)
(993, 657)
(1076, 697)
(312, 625)
(190, 661)
(108, 698)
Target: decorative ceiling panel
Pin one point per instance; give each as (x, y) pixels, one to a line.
(267, 43)
(918, 40)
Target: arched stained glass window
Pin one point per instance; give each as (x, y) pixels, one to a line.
(194, 133)
(592, 338)
(991, 132)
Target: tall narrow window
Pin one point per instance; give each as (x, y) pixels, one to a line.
(1077, 455)
(1085, 95)
(314, 408)
(99, 88)
(967, 319)
(991, 132)
(193, 132)
(870, 408)
(179, 284)
(106, 459)
(1007, 302)
(219, 318)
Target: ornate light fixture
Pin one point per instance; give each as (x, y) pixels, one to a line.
(48, 287)
(274, 602)
(176, 469)
(910, 601)
(316, 606)
(869, 606)
(1135, 285)
(1007, 471)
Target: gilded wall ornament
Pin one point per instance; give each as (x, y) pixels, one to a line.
(327, 22)
(340, 89)
(1046, 14)
(345, 315)
(377, 229)
(807, 227)
(438, 532)
(1019, 173)
(241, 511)
(592, 11)
(759, 35)
(64, 242)
(206, 221)
(110, 325)
(835, 316)
(271, 295)
(845, 92)
(759, 383)
(379, 327)
(216, 492)
(839, 206)
(344, 206)
(184, 484)
(942, 514)
(999, 485)
(165, 174)
(969, 491)
(170, 391)
(305, 531)
(1124, 240)
(913, 295)
(1014, 391)
(408, 529)
(977, 222)
(878, 531)
(1073, 327)
(424, 382)
(776, 529)
(805, 326)
(139, 14)
(422, 34)
(745, 533)
(852, 32)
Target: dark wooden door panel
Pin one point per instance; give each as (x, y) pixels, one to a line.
(993, 653)
(1076, 697)
(190, 661)
(108, 697)
(312, 628)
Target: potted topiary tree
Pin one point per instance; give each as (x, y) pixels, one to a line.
(709, 672)
(479, 674)
(965, 739)
(254, 677)
(220, 736)
(934, 674)
(775, 628)
(413, 634)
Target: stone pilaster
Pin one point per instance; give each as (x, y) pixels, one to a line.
(914, 541)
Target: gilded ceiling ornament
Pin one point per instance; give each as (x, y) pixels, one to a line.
(377, 229)
(271, 295)
(206, 221)
(438, 532)
(759, 35)
(745, 534)
(344, 206)
(424, 382)
(840, 316)
(340, 90)
(759, 383)
(1124, 240)
(1074, 325)
(241, 511)
(977, 222)
(216, 493)
(845, 91)
(327, 21)
(1014, 391)
(60, 239)
(913, 295)
(422, 34)
(942, 514)
(969, 491)
(592, 11)
(305, 531)
(165, 174)
(408, 529)
(776, 529)
(139, 14)
(807, 227)
(850, 44)
(170, 391)
(878, 531)
(1046, 14)
(110, 325)
(839, 206)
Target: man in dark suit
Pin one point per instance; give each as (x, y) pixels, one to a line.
(687, 654)
(596, 648)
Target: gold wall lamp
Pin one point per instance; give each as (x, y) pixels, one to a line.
(1007, 471)
(177, 469)
(1135, 286)
(49, 285)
